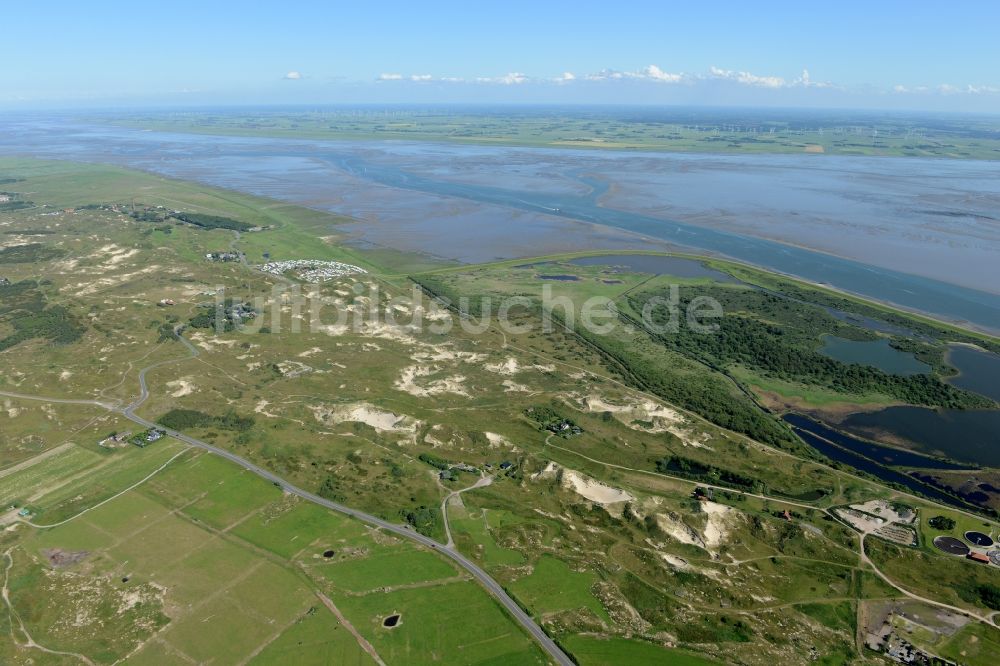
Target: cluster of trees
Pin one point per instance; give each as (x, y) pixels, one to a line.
(434, 461)
(423, 519)
(212, 221)
(25, 308)
(942, 523)
(693, 469)
(987, 594)
(30, 253)
(549, 419)
(182, 419)
(777, 337)
(710, 396)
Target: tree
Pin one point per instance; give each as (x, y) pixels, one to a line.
(942, 523)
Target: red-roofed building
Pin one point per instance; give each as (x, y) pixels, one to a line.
(978, 557)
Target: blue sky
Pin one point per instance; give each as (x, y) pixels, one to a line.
(916, 55)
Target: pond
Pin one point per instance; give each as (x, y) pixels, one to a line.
(884, 473)
(655, 264)
(863, 464)
(979, 371)
(876, 353)
(969, 435)
(561, 278)
(884, 455)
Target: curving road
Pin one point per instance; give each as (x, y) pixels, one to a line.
(494, 588)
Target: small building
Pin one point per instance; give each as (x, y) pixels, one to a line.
(978, 557)
(164, 302)
(24, 512)
(786, 515)
(506, 464)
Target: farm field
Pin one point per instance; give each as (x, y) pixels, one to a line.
(727, 131)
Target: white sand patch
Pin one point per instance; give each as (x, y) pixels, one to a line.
(407, 382)
(293, 369)
(87, 288)
(333, 330)
(510, 386)
(261, 408)
(181, 387)
(719, 523)
(209, 344)
(388, 332)
(508, 367)
(438, 354)
(675, 562)
(363, 412)
(64, 375)
(544, 368)
(117, 257)
(585, 486)
(309, 352)
(673, 526)
(496, 440)
(594, 490)
(648, 416)
(550, 470)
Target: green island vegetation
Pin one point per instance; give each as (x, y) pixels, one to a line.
(676, 521)
(776, 336)
(183, 419)
(29, 253)
(25, 309)
(715, 131)
(206, 221)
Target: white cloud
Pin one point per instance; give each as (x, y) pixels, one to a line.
(606, 74)
(565, 77)
(747, 79)
(656, 74)
(390, 77)
(510, 79)
(293, 75)
(421, 77)
(649, 73)
(982, 90)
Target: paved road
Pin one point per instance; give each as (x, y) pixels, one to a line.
(484, 579)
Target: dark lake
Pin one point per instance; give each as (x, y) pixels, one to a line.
(980, 371)
(884, 473)
(876, 353)
(885, 455)
(969, 435)
(655, 264)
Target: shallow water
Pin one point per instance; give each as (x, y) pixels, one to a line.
(918, 233)
(969, 435)
(876, 353)
(655, 264)
(979, 371)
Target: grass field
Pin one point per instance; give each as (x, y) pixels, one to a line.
(159, 548)
(468, 627)
(552, 586)
(592, 651)
(974, 645)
